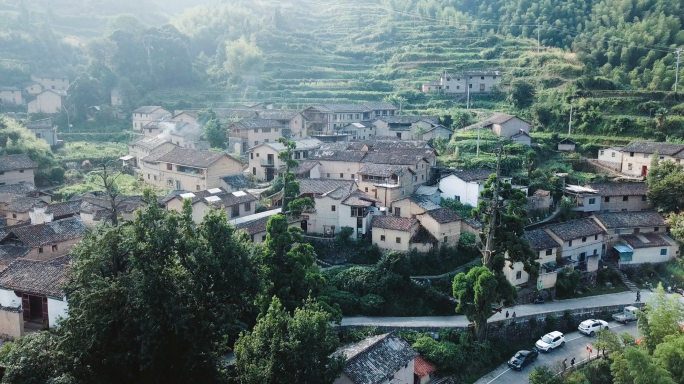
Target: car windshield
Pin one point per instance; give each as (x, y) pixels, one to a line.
(548, 339)
(519, 355)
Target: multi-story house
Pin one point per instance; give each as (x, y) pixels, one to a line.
(50, 101)
(402, 234)
(386, 182)
(48, 240)
(16, 169)
(147, 114)
(328, 117)
(636, 157)
(468, 81)
(60, 83)
(582, 242)
(609, 197)
(292, 118)
(407, 127)
(188, 169)
(249, 133)
(236, 204)
(548, 255)
(11, 96)
(44, 129)
(617, 224)
(263, 158)
(143, 146)
(508, 126)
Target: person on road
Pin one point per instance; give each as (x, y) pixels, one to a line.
(572, 363)
(638, 299)
(513, 316)
(507, 314)
(565, 364)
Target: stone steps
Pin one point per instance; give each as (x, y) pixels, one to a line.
(628, 283)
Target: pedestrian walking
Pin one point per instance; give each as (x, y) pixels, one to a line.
(513, 315)
(638, 299)
(572, 363)
(565, 364)
(507, 314)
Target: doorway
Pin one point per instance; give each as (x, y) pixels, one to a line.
(304, 225)
(644, 170)
(270, 174)
(35, 308)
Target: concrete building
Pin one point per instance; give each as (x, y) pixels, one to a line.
(431, 87)
(612, 156)
(141, 147)
(394, 233)
(188, 169)
(328, 117)
(249, 133)
(60, 83)
(16, 169)
(386, 182)
(343, 206)
(609, 197)
(11, 96)
(503, 125)
(48, 240)
(548, 256)
(582, 242)
(404, 127)
(295, 120)
(617, 224)
(567, 145)
(636, 249)
(147, 114)
(464, 185)
(235, 204)
(378, 359)
(49, 102)
(263, 158)
(44, 129)
(467, 81)
(636, 157)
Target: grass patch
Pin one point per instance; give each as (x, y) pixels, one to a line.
(80, 150)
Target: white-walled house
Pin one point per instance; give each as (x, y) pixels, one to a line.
(147, 114)
(378, 359)
(236, 204)
(636, 249)
(611, 155)
(60, 83)
(44, 129)
(464, 185)
(11, 96)
(636, 157)
(547, 250)
(609, 197)
(264, 162)
(582, 242)
(467, 81)
(50, 101)
(503, 125)
(16, 169)
(394, 233)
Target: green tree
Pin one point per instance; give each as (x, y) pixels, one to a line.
(664, 180)
(635, 366)
(292, 205)
(215, 134)
(670, 356)
(84, 93)
(284, 348)
(244, 62)
(520, 94)
(544, 375)
(661, 318)
(155, 300)
(676, 223)
(476, 291)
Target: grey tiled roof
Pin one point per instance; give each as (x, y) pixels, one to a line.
(474, 223)
(668, 149)
(40, 278)
(424, 202)
(24, 189)
(393, 222)
(227, 199)
(17, 203)
(337, 155)
(359, 198)
(302, 144)
(422, 236)
(147, 109)
(238, 181)
(255, 226)
(575, 229)
(277, 114)
(259, 123)
(481, 174)
(614, 220)
(540, 240)
(497, 118)
(373, 105)
(48, 233)
(342, 107)
(15, 162)
(190, 157)
(392, 144)
(65, 208)
(382, 170)
(619, 189)
(408, 119)
(322, 186)
(9, 253)
(652, 240)
(376, 359)
(303, 167)
(397, 157)
(148, 142)
(444, 215)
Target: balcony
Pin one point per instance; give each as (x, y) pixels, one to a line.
(267, 163)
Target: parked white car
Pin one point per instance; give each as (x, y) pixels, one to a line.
(550, 341)
(591, 326)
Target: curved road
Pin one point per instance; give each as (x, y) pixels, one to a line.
(575, 347)
(623, 298)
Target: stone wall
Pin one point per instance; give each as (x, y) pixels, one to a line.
(11, 322)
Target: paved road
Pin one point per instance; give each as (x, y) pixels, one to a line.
(575, 347)
(520, 310)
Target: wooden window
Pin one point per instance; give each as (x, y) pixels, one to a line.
(235, 211)
(584, 239)
(248, 207)
(169, 167)
(332, 208)
(398, 240)
(55, 248)
(341, 175)
(549, 252)
(40, 249)
(382, 237)
(625, 198)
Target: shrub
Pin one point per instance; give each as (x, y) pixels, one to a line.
(567, 283)
(372, 304)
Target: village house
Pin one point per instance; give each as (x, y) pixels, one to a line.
(650, 247)
(292, 118)
(249, 133)
(16, 208)
(186, 116)
(403, 234)
(307, 169)
(508, 126)
(115, 97)
(617, 224)
(567, 145)
(547, 250)
(50, 101)
(541, 199)
(423, 371)
(44, 129)
(147, 114)
(386, 182)
(636, 157)
(442, 223)
(378, 360)
(48, 240)
(255, 225)
(16, 169)
(32, 291)
(431, 87)
(141, 147)
(406, 127)
(24, 190)
(187, 135)
(328, 117)
(92, 208)
(33, 89)
(582, 242)
(11, 96)
(412, 206)
(263, 158)
(465, 82)
(188, 169)
(60, 83)
(609, 197)
(464, 185)
(236, 204)
(611, 157)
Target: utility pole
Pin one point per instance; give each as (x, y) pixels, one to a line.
(478, 143)
(570, 122)
(538, 32)
(679, 53)
(468, 95)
